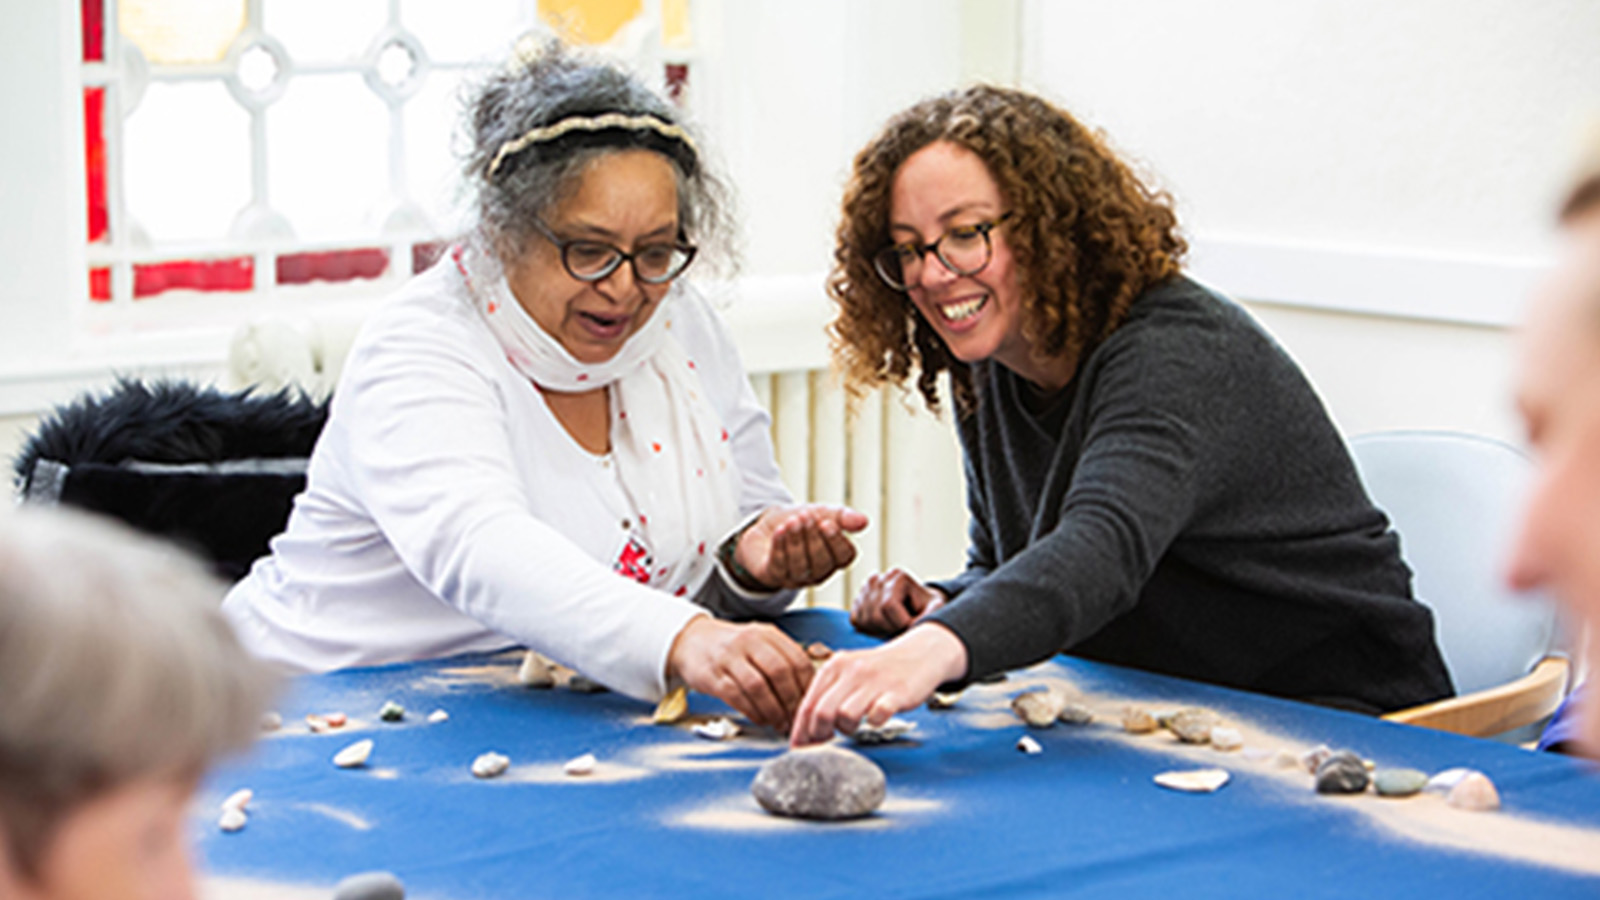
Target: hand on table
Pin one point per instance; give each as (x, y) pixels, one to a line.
(799, 546)
(872, 685)
(890, 601)
(754, 668)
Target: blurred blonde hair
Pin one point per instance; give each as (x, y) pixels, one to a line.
(115, 665)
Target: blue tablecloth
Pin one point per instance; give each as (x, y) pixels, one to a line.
(669, 814)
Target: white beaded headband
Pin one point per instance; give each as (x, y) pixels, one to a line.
(591, 124)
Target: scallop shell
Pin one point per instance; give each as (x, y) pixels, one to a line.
(672, 707)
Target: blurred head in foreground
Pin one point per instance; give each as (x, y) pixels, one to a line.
(1558, 394)
(120, 682)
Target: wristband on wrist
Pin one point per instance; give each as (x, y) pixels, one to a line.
(727, 555)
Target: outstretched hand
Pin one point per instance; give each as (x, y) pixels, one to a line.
(857, 686)
(799, 546)
(890, 601)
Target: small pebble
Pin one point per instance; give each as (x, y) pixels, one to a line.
(1038, 708)
(818, 651)
(672, 707)
(232, 819)
(271, 720)
(944, 699)
(1474, 792)
(535, 671)
(1399, 782)
(1028, 745)
(1313, 759)
(354, 755)
(584, 684)
(1342, 773)
(1195, 781)
(336, 719)
(825, 782)
(438, 716)
(238, 799)
(890, 731)
(1075, 714)
(580, 765)
(490, 764)
(1442, 782)
(1256, 754)
(1286, 759)
(1223, 738)
(391, 711)
(1137, 720)
(1192, 725)
(721, 729)
(370, 886)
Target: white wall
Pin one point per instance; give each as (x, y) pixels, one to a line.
(1352, 155)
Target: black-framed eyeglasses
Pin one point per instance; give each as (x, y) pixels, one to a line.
(964, 250)
(595, 260)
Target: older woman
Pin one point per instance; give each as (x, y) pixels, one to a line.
(122, 683)
(1151, 480)
(548, 438)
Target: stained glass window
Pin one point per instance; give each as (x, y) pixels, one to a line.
(237, 146)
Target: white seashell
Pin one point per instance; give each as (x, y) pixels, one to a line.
(1202, 781)
(535, 671)
(232, 819)
(892, 730)
(1028, 745)
(354, 755)
(585, 764)
(271, 720)
(490, 764)
(1286, 759)
(1224, 738)
(438, 716)
(238, 799)
(717, 730)
(1445, 781)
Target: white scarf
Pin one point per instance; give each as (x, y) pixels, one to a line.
(672, 454)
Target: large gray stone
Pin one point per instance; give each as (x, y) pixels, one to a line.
(820, 783)
(1342, 773)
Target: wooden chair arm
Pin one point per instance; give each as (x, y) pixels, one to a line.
(1498, 709)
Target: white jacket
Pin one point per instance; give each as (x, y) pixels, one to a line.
(448, 511)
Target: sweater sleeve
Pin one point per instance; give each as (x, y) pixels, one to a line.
(1131, 492)
(431, 460)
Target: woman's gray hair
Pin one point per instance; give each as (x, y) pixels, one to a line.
(554, 83)
(115, 665)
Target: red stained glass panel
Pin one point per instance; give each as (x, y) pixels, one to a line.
(332, 265)
(100, 285)
(426, 254)
(94, 138)
(236, 274)
(94, 30)
(677, 80)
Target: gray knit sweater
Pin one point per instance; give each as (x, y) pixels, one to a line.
(1184, 506)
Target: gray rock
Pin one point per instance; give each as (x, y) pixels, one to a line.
(585, 685)
(1342, 773)
(824, 782)
(370, 886)
(1399, 782)
(1192, 725)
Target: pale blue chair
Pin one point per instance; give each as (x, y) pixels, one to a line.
(1456, 500)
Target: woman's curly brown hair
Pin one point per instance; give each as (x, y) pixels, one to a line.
(1087, 235)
